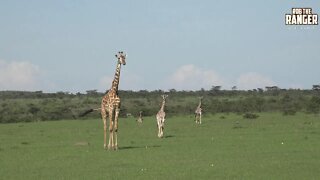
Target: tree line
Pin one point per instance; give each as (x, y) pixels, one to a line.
(23, 106)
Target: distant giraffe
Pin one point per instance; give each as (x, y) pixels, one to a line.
(161, 117)
(110, 106)
(198, 112)
(140, 117)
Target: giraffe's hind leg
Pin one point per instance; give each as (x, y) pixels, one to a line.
(104, 119)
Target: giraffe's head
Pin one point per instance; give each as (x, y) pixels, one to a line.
(121, 57)
(164, 96)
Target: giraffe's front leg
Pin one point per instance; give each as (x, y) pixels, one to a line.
(159, 131)
(159, 128)
(162, 128)
(110, 145)
(197, 118)
(116, 128)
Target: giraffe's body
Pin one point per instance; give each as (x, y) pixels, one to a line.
(161, 115)
(198, 112)
(140, 117)
(110, 106)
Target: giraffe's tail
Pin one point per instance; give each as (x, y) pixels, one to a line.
(88, 111)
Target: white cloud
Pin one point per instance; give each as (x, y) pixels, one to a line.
(253, 80)
(190, 77)
(19, 76)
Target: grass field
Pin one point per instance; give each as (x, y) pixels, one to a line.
(229, 147)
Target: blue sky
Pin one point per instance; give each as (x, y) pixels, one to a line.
(70, 45)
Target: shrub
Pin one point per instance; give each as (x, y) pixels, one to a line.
(250, 116)
(314, 105)
(289, 111)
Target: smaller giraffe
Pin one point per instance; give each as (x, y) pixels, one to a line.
(140, 117)
(161, 117)
(198, 112)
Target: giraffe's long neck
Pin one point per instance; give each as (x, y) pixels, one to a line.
(199, 106)
(162, 106)
(115, 82)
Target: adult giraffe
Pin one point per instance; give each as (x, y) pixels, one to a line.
(110, 105)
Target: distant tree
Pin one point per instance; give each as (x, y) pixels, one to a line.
(314, 105)
(61, 94)
(287, 105)
(143, 91)
(33, 109)
(272, 88)
(215, 88)
(78, 94)
(159, 91)
(92, 92)
(234, 88)
(259, 103)
(172, 90)
(316, 87)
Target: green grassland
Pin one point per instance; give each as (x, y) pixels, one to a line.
(225, 146)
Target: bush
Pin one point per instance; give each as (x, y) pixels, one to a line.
(289, 111)
(250, 116)
(314, 105)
